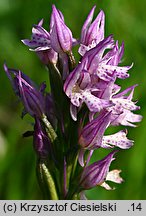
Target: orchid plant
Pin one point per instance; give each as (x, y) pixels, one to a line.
(71, 120)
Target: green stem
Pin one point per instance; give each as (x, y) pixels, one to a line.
(50, 130)
(74, 165)
(48, 182)
(71, 172)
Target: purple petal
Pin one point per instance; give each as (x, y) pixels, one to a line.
(95, 55)
(118, 139)
(92, 34)
(131, 117)
(87, 24)
(123, 93)
(91, 135)
(40, 38)
(125, 104)
(84, 79)
(126, 118)
(29, 43)
(96, 173)
(93, 103)
(113, 57)
(38, 30)
(121, 52)
(96, 29)
(24, 88)
(119, 71)
(52, 18)
(61, 36)
(41, 22)
(72, 79)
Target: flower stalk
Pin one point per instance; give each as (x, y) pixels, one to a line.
(47, 182)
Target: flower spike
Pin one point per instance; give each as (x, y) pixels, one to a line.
(73, 119)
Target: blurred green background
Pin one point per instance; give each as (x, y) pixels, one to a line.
(126, 20)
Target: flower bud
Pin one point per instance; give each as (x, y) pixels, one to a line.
(92, 134)
(92, 33)
(60, 34)
(95, 174)
(30, 96)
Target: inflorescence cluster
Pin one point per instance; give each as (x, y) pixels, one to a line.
(71, 120)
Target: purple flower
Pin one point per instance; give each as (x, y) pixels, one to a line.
(79, 87)
(93, 33)
(92, 81)
(40, 43)
(41, 141)
(123, 107)
(30, 96)
(91, 135)
(105, 66)
(40, 39)
(96, 173)
(60, 34)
